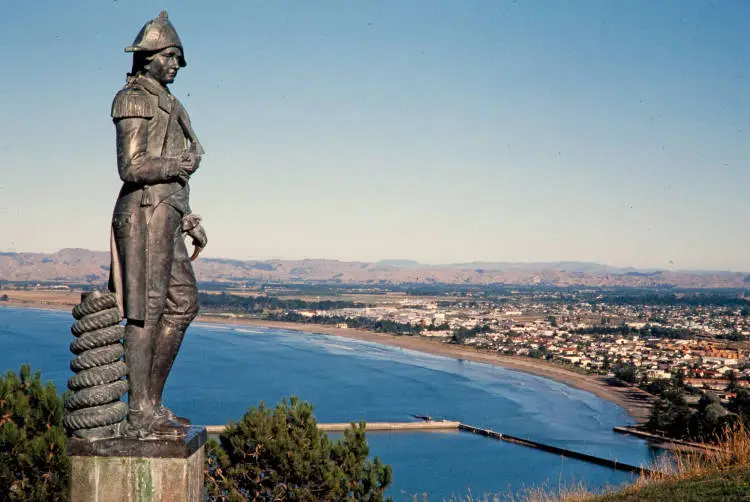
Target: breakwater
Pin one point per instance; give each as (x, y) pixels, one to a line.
(436, 425)
(614, 464)
(665, 442)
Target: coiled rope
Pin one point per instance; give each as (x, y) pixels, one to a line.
(94, 408)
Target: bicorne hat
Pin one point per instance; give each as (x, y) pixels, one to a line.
(156, 35)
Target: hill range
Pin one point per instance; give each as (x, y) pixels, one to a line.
(85, 266)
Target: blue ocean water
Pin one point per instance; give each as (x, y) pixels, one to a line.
(222, 370)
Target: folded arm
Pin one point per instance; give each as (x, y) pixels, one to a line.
(132, 111)
(133, 161)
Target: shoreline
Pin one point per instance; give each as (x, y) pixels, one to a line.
(635, 402)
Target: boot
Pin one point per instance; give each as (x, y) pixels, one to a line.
(165, 428)
(139, 358)
(167, 342)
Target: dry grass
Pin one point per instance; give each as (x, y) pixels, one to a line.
(733, 451)
(574, 493)
(577, 492)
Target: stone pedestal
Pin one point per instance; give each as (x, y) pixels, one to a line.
(138, 470)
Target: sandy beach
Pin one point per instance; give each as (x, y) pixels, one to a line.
(636, 402)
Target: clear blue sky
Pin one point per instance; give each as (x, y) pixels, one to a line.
(607, 131)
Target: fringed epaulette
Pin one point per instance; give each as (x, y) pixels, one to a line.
(132, 103)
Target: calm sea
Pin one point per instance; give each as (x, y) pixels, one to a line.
(222, 370)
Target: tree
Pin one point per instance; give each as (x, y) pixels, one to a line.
(740, 404)
(33, 463)
(732, 378)
(678, 380)
(672, 415)
(626, 372)
(658, 386)
(281, 455)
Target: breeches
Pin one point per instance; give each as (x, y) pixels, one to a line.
(172, 288)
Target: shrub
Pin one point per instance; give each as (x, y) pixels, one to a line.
(33, 463)
(281, 455)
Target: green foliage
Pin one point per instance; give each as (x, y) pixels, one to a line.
(376, 325)
(438, 327)
(460, 335)
(281, 455)
(658, 386)
(672, 416)
(740, 404)
(732, 377)
(678, 379)
(626, 372)
(256, 304)
(33, 463)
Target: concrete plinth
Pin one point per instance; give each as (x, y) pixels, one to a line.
(138, 470)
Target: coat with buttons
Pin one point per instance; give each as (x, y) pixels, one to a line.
(150, 144)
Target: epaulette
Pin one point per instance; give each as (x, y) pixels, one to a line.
(132, 103)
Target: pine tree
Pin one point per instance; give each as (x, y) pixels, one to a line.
(281, 455)
(33, 463)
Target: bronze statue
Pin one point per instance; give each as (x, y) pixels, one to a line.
(151, 273)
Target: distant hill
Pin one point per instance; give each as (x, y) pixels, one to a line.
(400, 264)
(82, 265)
(562, 266)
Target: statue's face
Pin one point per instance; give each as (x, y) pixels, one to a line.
(164, 65)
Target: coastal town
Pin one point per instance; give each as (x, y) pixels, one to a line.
(703, 343)
(706, 341)
(615, 343)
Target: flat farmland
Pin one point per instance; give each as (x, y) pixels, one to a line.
(41, 298)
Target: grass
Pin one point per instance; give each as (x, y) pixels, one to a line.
(730, 485)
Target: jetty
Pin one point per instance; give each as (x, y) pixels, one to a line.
(371, 426)
(614, 464)
(438, 425)
(667, 442)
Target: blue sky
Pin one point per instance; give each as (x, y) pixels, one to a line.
(607, 131)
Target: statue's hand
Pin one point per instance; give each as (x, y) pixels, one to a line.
(191, 225)
(198, 234)
(190, 162)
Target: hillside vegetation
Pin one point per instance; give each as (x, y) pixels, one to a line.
(730, 485)
(721, 476)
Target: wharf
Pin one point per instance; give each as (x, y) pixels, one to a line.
(371, 426)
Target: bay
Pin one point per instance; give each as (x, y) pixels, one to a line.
(223, 370)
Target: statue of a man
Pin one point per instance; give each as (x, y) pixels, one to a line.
(157, 152)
